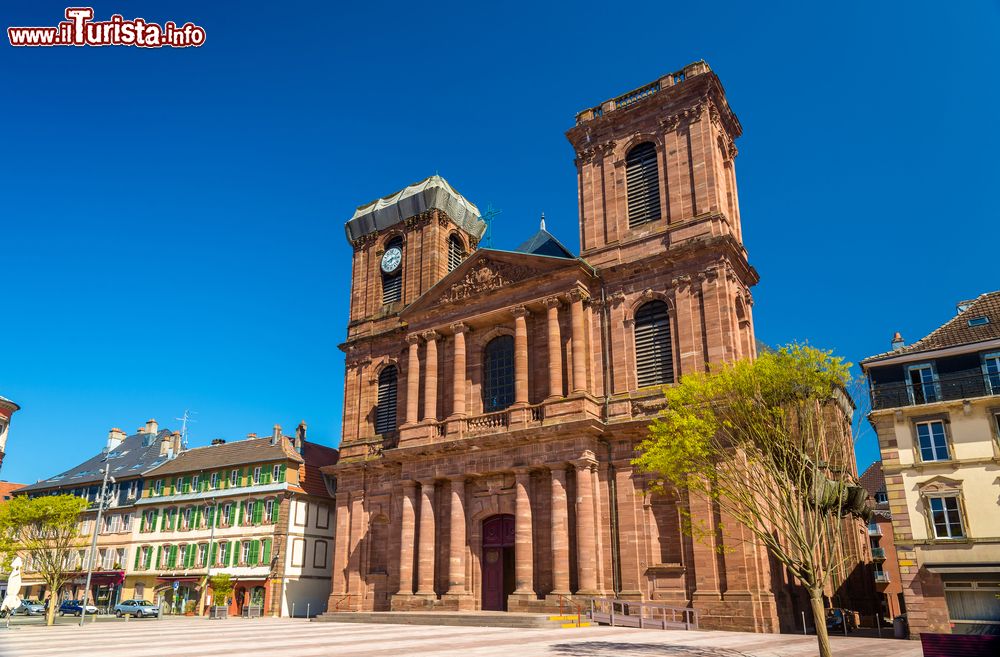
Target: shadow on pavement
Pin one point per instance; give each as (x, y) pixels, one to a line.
(610, 648)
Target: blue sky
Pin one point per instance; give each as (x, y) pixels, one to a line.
(171, 221)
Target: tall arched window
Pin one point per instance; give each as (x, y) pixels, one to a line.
(456, 253)
(654, 361)
(498, 373)
(385, 412)
(392, 280)
(642, 181)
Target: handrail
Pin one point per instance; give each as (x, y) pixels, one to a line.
(336, 605)
(579, 608)
(620, 612)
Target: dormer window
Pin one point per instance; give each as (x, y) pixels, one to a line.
(922, 384)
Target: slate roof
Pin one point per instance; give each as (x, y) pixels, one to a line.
(544, 243)
(134, 456)
(238, 452)
(956, 331)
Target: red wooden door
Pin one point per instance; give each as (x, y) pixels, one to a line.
(498, 537)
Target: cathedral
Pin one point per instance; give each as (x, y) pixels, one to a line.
(493, 399)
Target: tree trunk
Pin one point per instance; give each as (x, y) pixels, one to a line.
(50, 613)
(819, 619)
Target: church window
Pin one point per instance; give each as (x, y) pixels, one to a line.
(456, 253)
(643, 184)
(498, 374)
(392, 271)
(653, 347)
(385, 412)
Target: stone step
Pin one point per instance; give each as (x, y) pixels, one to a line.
(573, 625)
(453, 618)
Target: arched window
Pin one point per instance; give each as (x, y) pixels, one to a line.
(385, 412)
(642, 181)
(392, 281)
(456, 253)
(498, 373)
(654, 361)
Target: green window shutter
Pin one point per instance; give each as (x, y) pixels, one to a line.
(281, 473)
(186, 485)
(163, 520)
(197, 517)
(212, 552)
(149, 557)
(173, 554)
(234, 552)
(156, 518)
(159, 555)
(138, 556)
(254, 553)
(275, 510)
(142, 522)
(266, 549)
(258, 512)
(212, 514)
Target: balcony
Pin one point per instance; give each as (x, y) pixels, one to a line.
(881, 577)
(874, 530)
(878, 554)
(947, 387)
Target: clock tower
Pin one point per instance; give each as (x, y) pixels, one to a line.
(403, 243)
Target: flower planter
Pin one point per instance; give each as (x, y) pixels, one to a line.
(218, 612)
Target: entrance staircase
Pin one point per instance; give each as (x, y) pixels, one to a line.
(570, 621)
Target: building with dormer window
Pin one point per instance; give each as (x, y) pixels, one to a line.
(936, 410)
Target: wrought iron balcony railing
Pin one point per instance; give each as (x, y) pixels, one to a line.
(947, 387)
(878, 554)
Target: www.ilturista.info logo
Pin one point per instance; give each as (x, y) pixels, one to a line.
(79, 29)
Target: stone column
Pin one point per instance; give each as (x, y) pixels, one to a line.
(520, 356)
(459, 374)
(341, 545)
(407, 536)
(586, 545)
(425, 555)
(579, 351)
(523, 548)
(413, 379)
(555, 349)
(457, 549)
(430, 376)
(560, 532)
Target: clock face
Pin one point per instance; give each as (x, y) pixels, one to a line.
(391, 259)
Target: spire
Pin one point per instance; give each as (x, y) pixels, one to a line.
(542, 226)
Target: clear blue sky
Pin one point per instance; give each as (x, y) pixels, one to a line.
(171, 221)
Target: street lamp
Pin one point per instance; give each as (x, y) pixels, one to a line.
(93, 541)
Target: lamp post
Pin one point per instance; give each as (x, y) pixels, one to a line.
(213, 521)
(93, 539)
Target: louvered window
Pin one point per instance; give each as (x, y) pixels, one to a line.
(498, 374)
(392, 284)
(643, 183)
(653, 347)
(385, 412)
(456, 253)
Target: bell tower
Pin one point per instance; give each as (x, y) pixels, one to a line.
(655, 167)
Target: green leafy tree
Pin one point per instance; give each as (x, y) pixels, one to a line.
(222, 588)
(44, 531)
(769, 443)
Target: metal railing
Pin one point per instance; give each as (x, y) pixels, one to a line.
(878, 554)
(946, 387)
(874, 530)
(881, 577)
(628, 613)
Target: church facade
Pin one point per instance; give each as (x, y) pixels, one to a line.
(493, 399)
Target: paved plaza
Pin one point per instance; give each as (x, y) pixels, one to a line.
(239, 637)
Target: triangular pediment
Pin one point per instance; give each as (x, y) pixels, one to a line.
(485, 271)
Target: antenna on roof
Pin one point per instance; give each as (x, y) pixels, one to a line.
(488, 218)
(184, 426)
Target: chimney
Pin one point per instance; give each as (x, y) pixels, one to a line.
(151, 427)
(165, 445)
(897, 342)
(276, 434)
(218, 441)
(115, 438)
(300, 436)
(251, 436)
(175, 440)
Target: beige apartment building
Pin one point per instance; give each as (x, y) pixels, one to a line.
(936, 409)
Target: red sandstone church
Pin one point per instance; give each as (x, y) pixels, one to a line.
(493, 399)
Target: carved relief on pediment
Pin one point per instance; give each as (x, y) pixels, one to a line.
(486, 276)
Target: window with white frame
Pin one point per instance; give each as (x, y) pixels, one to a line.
(946, 517)
(203, 554)
(256, 475)
(188, 513)
(922, 384)
(245, 552)
(991, 370)
(158, 487)
(932, 440)
(234, 477)
(227, 513)
(213, 481)
(268, 510)
(276, 473)
(224, 553)
(194, 482)
(120, 558)
(126, 522)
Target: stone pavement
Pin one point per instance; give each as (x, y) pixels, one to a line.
(238, 638)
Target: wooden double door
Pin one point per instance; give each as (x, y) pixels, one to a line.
(498, 561)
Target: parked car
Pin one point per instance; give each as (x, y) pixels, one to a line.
(31, 608)
(75, 607)
(138, 608)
